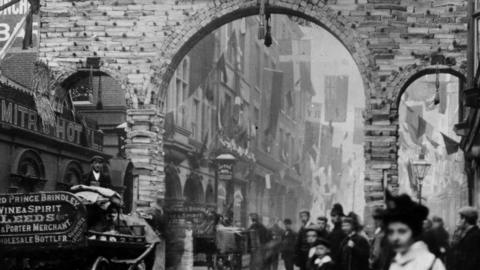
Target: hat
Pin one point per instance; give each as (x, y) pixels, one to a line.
(322, 241)
(378, 213)
(100, 158)
(468, 212)
(403, 209)
(304, 211)
(287, 221)
(337, 210)
(254, 216)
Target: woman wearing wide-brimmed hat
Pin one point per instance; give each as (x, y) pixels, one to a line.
(403, 221)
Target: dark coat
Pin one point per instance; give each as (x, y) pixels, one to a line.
(326, 266)
(302, 247)
(356, 257)
(263, 233)
(429, 238)
(335, 238)
(467, 251)
(104, 180)
(289, 240)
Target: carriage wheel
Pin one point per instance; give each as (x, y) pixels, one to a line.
(100, 263)
(140, 266)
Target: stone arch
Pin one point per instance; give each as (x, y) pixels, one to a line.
(211, 17)
(403, 80)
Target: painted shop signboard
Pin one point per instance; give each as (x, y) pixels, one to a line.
(21, 117)
(46, 219)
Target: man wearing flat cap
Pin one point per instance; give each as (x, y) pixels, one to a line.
(96, 176)
(467, 250)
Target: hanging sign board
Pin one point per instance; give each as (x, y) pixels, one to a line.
(225, 171)
(41, 220)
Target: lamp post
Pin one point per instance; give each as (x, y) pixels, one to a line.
(420, 170)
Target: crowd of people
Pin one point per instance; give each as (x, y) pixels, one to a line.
(405, 238)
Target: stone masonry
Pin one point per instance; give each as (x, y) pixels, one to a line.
(142, 41)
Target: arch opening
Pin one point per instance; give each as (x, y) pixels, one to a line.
(429, 106)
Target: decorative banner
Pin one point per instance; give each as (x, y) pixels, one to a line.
(35, 220)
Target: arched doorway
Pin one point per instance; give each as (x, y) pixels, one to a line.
(429, 106)
(193, 190)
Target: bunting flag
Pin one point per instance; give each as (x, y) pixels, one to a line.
(429, 135)
(312, 134)
(450, 145)
(443, 97)
(336, 98)
(275, 100)
(201, 59)
(169, 124)
(306, 78)
(411, 176)
(414, 113)
(290, 99)
(358, 133)
(222, 66)
(326, 140)
(422, 125)
(288, 78)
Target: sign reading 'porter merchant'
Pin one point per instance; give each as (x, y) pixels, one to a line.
(41, 219)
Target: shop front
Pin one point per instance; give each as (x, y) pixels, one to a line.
(39, 157)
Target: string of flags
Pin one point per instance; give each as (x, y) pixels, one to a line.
(417, 127)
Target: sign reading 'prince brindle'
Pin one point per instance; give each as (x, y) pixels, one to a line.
(41, 219)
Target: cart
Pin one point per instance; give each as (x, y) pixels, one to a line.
(62, 235)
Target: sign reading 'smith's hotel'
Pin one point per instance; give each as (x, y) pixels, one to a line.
(18, 116)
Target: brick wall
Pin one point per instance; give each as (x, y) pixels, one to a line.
(142, 41)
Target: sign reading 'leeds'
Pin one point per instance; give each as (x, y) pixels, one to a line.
(27, 119)
(41, 219)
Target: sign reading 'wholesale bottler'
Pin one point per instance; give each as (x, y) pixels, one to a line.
(41, 219)
(21, 117)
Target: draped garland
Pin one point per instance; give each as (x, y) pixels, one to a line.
(44, 86)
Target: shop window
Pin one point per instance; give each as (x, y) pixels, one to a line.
(29, 174)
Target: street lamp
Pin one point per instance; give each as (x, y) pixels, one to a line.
(420, 170)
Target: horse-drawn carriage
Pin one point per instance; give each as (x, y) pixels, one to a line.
(78, 230)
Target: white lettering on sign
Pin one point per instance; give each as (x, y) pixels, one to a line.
(4, 32)
(20, 8)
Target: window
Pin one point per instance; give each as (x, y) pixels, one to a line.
(30, 173)
(197, 120)
(73, 174)
(179, 88)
